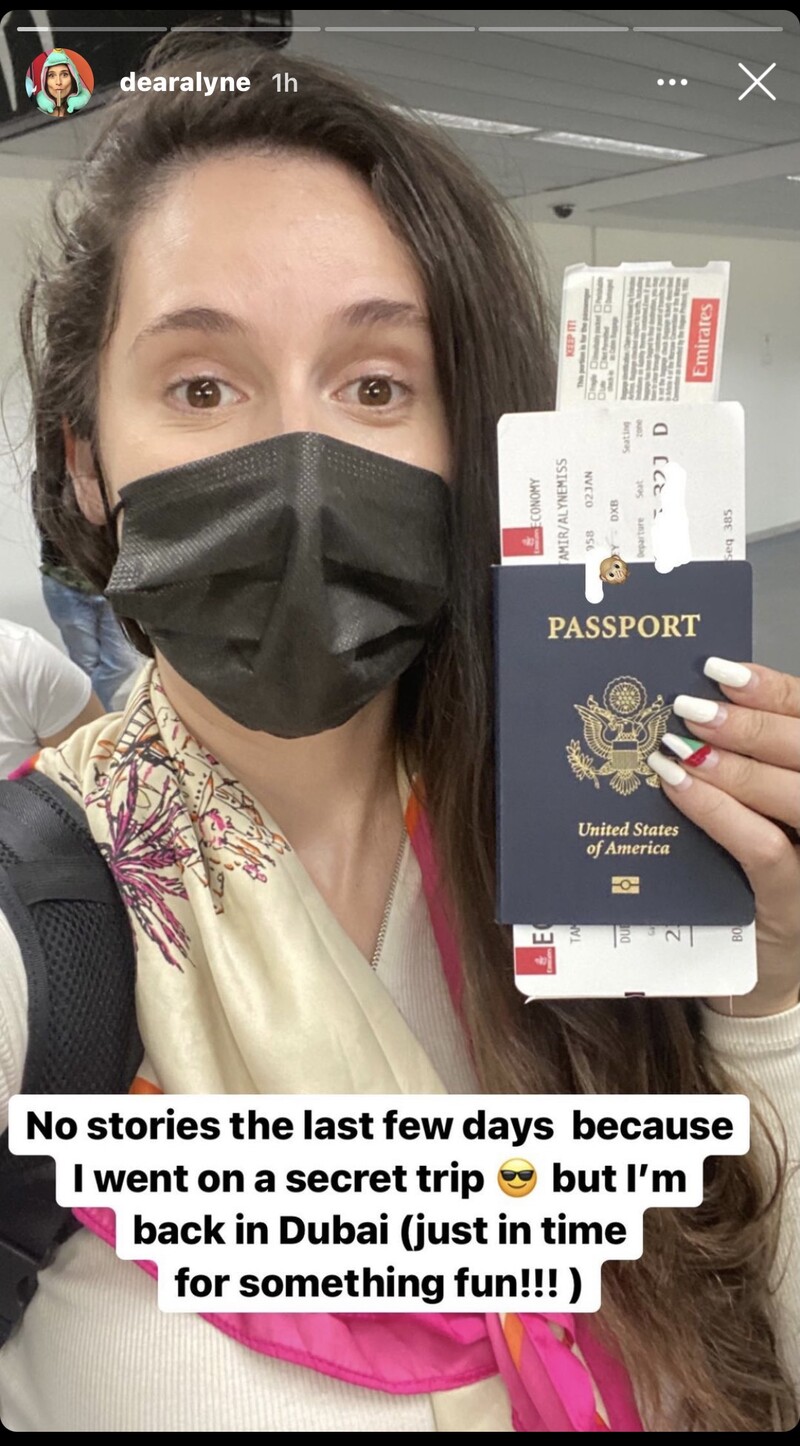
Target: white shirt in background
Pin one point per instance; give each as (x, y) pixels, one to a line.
(41, 692)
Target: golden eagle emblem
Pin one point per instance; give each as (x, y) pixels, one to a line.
(621, 732)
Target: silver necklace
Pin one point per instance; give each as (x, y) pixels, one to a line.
(376, 954)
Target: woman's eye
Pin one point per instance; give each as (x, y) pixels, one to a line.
(203, 393)
(375, 392)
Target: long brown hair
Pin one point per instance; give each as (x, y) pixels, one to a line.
(691, 1317)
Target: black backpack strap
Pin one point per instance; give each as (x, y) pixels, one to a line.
(61, 902)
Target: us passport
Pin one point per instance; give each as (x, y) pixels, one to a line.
(584, 693)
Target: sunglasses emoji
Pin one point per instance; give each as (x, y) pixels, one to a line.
(516, 1177)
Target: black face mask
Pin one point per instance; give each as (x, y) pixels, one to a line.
(289, 581)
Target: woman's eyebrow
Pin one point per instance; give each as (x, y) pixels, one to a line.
(194, 318)
(372, 311)
(380, 309)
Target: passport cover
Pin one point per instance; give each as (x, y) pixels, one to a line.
(585, 834)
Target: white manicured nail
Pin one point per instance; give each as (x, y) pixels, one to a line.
(669, 770)
(733, 675)
(699, 710)
(680, 746)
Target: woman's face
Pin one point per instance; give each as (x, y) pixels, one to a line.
(264, 295)
(58, 82)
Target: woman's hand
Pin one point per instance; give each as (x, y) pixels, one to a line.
(739, 790)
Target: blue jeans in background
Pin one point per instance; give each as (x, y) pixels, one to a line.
(94, 640)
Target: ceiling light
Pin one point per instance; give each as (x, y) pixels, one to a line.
(620, 148)
(467, 122)
(793, 178)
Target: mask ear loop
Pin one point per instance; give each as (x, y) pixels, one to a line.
(111, 513)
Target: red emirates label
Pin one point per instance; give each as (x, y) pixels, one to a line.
(523, 541)
(541, 960)
(703, 323)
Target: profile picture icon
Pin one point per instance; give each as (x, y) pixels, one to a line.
(59, 82)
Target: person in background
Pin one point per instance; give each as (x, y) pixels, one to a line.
(89, 630)
(43, 696)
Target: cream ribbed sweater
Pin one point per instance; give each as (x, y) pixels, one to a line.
(94, 1353)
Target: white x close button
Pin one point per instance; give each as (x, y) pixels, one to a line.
(757, 79)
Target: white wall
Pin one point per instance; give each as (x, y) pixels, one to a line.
(761, 366)
(764, 302)
(21, 207)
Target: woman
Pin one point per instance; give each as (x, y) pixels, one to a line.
(62, 91)
(314, 310)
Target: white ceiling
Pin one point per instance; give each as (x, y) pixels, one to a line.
(598, 80)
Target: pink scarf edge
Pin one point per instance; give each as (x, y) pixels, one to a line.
(616, 1391)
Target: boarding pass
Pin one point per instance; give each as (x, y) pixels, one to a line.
(570, 490)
